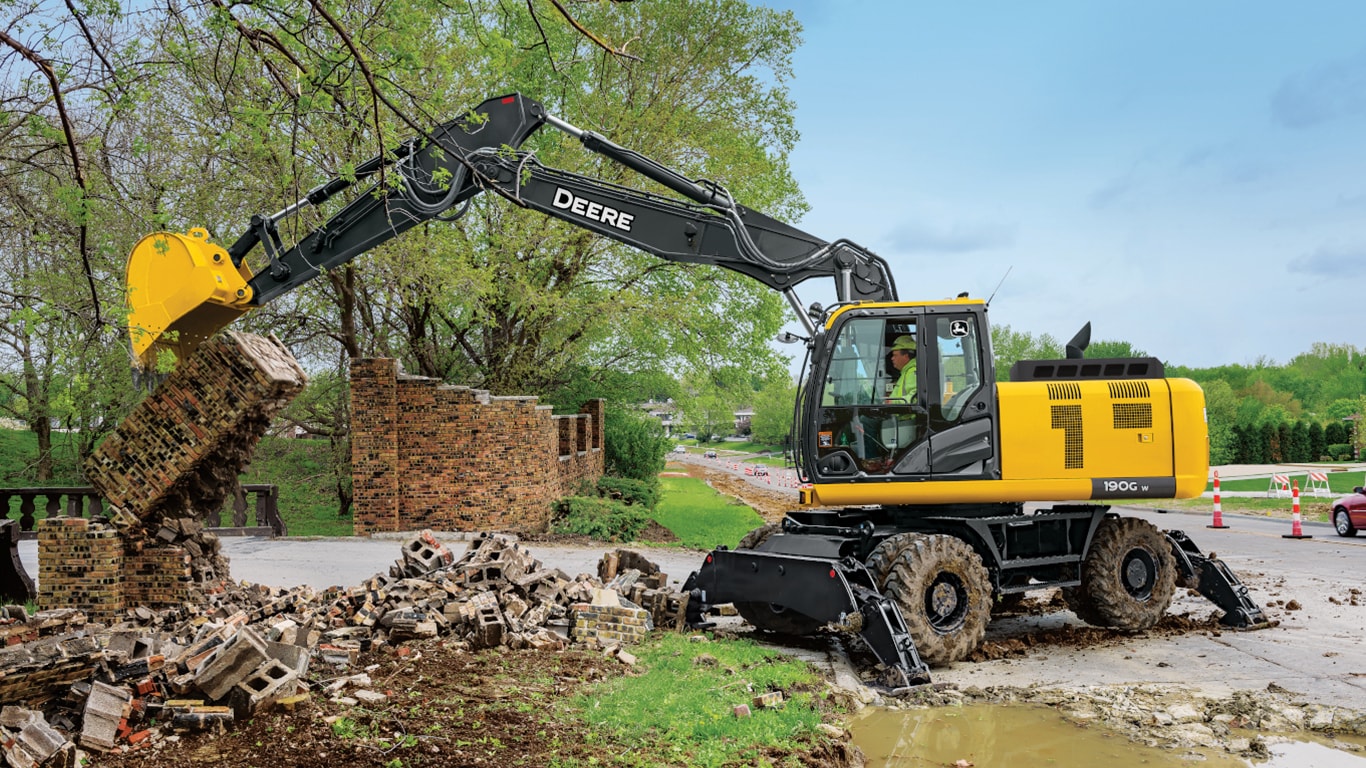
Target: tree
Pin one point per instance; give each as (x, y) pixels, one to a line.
(773, 408)
(271, 98)
(1221, 411)
(1106, 349)
(1010, 347)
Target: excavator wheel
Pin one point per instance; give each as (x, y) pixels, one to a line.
(1128, 577)
(943, 591)
(771, 617)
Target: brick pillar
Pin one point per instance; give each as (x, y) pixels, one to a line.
(80, 565)
(564, 431)
(158, 577)
(374, 445)
(597, 410)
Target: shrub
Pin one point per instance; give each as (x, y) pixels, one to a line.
(629, 491)
(632, 445)
(601, 519)
(1340, 451)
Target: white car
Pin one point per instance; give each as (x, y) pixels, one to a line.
(680, 449)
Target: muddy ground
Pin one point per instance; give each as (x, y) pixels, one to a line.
(449, 707)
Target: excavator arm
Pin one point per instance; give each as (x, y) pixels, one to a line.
(183, 288)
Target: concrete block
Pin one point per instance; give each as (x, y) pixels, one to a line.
(292, 656)
(488, 630)
(233, 663)
(105, 709)
(42, 740)
(270, 681)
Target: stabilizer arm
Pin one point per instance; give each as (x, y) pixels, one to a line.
(1216, 581)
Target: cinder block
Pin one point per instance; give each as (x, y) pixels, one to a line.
(233, 663)
(105, 709)
(42, 740)
(294, 657)
(270, 681)
(488, 632)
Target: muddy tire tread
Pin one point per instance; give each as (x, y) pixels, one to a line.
(1102, 599)
(906, 564)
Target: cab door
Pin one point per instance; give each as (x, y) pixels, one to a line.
(959, 399)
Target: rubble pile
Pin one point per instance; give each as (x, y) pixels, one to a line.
(69, 686)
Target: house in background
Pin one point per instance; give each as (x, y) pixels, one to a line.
(743, 417)
(667, 413)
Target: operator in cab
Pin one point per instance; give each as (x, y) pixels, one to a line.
(903, 360)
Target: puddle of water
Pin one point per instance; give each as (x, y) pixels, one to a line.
(986, 736)
(1307, 754)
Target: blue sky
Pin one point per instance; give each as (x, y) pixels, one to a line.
(1188, 176)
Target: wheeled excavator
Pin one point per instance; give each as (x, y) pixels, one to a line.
(919, 512)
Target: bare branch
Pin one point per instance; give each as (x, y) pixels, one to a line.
(588, 33)
(68, 130)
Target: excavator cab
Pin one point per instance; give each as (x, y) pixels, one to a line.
(867, 430)
(182, 289)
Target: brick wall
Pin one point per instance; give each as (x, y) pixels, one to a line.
(425, 454)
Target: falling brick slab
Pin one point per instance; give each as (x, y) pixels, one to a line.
(182, 448)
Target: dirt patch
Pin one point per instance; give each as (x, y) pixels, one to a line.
(445, 707)
(1078, 637)
(771, 505)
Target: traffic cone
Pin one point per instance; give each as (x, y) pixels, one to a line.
(1218, 513)
(1295, 531)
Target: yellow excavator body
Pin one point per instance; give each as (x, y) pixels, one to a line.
(182, 289)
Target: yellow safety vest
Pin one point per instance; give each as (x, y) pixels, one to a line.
(903, 391)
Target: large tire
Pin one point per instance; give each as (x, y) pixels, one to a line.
(1128, 577)
(943, 591)
(771, 617)
(1342, 522)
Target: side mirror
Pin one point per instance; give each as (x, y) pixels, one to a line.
(1357, 489)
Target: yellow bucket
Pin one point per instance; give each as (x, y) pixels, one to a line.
(182, 289)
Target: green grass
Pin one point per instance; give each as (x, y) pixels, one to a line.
(700, 517)
(19, 458)
(308, 500)
(680, 707)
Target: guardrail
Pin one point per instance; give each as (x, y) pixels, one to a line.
(85, 501)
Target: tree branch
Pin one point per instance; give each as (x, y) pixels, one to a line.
(68, 130)
(585, 31)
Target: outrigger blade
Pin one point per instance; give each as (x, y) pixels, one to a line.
(182, 289)
(837, 593)
(1211, 578)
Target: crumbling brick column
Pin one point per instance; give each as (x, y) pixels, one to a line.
(178, 454)
(80, 565)
(181, 449)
